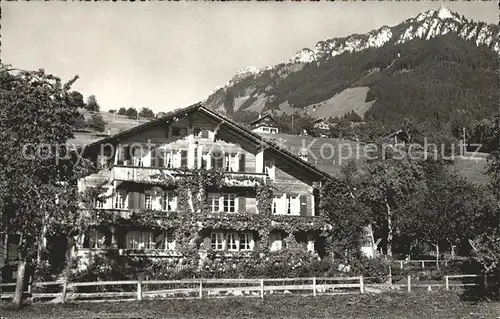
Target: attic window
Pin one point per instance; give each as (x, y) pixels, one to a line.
(179, 131)
(201, 132)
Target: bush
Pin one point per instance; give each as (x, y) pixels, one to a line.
(97, 123)
(374, 267)
(291, 263)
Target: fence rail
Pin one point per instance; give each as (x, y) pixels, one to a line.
(100, 291)
(423, 262)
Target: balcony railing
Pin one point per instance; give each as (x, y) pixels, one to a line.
(157, 175)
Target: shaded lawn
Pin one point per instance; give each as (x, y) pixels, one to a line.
(394, 305)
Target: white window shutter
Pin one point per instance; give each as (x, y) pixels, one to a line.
(295, 205)
(281, 205)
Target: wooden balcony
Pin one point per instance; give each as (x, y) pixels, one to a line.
(140, 174)
(153, 175)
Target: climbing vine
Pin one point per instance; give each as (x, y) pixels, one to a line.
(193, 213)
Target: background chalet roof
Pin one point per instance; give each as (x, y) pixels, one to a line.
(256, 138)
(263, 118)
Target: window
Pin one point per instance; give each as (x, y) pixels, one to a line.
(137, 239)
(217, 241)
(170, 241)
(176, 131)
(195, 157)
(229, 203)
(148, 202)
(99, 202)
(245, 241)
(168, 202)
(201, 132)
(179, 131)
(137, 158)
(184, 158)
(183, 132)
(275, 240)
(227, 162)
(269, 168)
(204, 159)
(213, 200)
(265, 129)
(230, 162)
(232, 241)
(242, 162)
(102, 162)
(138, 161)
(217, 159)
(168, 158)
(119, 200)
(288, 204)
(97, 239)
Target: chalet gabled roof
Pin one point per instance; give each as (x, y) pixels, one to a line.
(252, 136)
(398, 132)
(319, 120)
(260, 119)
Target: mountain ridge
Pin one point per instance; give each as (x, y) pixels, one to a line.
(258, 90)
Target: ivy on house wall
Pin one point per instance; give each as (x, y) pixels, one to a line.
(193, 214)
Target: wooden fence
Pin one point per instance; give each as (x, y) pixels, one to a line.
(422, 263)
(102, 291)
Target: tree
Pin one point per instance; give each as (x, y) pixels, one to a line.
(38, 194)
(146, 113)
(122, 111)
(344, 211)
(445, 209)
(112, 111)
(493, 167)
(387, 185)
(79, 121)
(131, 113)
(487, 244)
(97, 123)
(75, 99)
(92, 104)
(229, 102)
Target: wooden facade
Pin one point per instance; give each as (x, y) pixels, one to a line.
(195, 138)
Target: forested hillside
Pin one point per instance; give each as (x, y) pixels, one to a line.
(438, 68)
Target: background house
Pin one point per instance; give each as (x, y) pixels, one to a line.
(265, 124)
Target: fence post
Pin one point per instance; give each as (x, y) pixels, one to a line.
(262, 288)
(314, 286)
(447, 282)
(201, 289)
(29, 284)
(139, 290)
(64, 290)
(485, 282)
(409, 283)
(401, 264)
(361, 284)
(423, 264)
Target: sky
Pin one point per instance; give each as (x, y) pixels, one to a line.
(166, 55)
